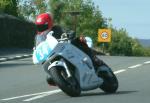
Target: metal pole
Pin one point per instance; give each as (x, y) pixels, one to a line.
(74, 14)
(103, 47)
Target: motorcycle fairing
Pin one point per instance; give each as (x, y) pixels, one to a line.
(44, 49)
(85, 72)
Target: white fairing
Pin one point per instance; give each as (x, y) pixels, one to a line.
(42, 51)
(84, 72)
(89, 42)
(84, 69)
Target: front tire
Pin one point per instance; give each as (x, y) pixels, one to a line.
(68, 85)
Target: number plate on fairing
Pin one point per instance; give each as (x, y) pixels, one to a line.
(41, 53)
(44, 49)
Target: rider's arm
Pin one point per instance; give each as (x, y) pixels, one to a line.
(58, 31)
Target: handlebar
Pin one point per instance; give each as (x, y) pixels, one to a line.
(64, 37)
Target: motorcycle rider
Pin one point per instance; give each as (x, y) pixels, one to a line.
(44, 23)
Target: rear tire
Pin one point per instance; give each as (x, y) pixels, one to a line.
(110, 84)
(68, 85)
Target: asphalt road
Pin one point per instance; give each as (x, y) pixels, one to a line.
(23, 82)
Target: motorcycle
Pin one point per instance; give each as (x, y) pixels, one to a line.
(71, 69)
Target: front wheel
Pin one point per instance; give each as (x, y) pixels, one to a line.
(68, 85)
(110, 84)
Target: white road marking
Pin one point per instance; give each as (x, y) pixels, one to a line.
(3, 58)
(27, 55)
(18, 56)
(119, 71)
(43, 95)
(147, 62)
(135, 66)
(28, 95)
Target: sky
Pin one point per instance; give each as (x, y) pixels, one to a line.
(132, 15)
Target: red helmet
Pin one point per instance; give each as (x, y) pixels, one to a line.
(44, 22)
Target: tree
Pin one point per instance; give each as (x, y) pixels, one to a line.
(57, 9)
(9, 7)
(137, 48)
(29, 9)
(146, 51)
(87, 22)
(121, 43)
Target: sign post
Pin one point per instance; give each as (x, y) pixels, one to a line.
(104, 36)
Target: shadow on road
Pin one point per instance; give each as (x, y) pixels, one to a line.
(103, 93)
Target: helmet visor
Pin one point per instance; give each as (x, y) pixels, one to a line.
(42, 28)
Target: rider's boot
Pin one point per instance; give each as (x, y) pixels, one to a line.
(50, 81)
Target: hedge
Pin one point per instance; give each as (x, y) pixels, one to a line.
(15, 32)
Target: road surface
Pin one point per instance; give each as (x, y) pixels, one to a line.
(23, 82)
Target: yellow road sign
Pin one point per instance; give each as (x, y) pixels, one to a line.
(104, 35)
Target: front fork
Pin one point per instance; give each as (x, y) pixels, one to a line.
(68, 75)
(61, 63)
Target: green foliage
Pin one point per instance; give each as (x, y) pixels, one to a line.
(9, 7)
(124, 45)
(146, 51)
(86, 23)
(29, 9)
(40, 6)
(57, 7)
(25, 9)
(137, 49)
(90, 21)
(121, 44)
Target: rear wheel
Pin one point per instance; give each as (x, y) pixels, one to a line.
(110, 84)
(68, 85)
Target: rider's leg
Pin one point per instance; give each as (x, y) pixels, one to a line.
(83, 46)
(48, 78)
